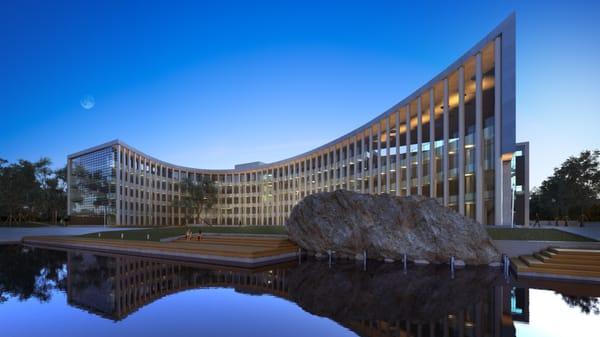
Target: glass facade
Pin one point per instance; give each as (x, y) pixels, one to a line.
(92, 186)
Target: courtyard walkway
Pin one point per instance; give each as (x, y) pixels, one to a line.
(16, 234)
(590, 230)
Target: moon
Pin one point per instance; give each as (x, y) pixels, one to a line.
(87, 102)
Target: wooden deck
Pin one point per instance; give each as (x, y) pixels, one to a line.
(229, 250)
(560, 264)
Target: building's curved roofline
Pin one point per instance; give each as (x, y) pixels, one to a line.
(506, 26)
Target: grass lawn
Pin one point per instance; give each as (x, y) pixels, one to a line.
(156, 234)
(534, 234)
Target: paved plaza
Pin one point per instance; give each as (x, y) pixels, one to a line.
(16, 234)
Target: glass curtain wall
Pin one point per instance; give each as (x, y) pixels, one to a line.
(93, 185)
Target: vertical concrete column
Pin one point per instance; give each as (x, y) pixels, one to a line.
(379, 170)
(124, 182)
(370, 159)
(498, 216)
(355, 161)
(242, 199)
(461, 140)
(316, 174)
(180, 220)
(507, 194)
(313, 174)
(347, 165)
(419, 149)
(338, 166)
(526, 184)
(397, 152)
(70, 180)
(117, 186)
(238, 204)
(146, 199)
(326, 168)
(296, 181)
(446, 136)
(305, 176)
(332, 170)
(362, 165)
(478, 140)
(432, 161)
(408, 154)
(388, 165)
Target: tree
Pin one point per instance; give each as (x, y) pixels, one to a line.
(587, 305)
(31, 191)
(572, 190)
(196, 196)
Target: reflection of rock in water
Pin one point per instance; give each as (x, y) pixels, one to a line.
(386, 299)
(386, 293)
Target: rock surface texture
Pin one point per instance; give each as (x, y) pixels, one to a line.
(386, 227)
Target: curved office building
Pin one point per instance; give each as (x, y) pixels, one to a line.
(453, 139)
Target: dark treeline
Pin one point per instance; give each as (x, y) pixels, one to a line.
(32, 191)
(571, 192)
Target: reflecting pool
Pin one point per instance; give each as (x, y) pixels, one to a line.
(78, 293)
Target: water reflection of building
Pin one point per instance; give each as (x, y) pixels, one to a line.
(519, 304)
(114, 286)
(486, 318)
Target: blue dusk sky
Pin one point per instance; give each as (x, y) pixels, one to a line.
(212, 84)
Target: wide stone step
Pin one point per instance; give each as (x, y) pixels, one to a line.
(522, 268)
(575, 252)
(580, 264)
(570, 258)
(573, 262)
(532, 261)
(567, 262)
(563, 272)
(242, 241)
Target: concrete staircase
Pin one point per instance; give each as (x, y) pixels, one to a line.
(269, 242)
(256, 246)
(560, 263)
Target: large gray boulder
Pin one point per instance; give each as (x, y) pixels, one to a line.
(386, 227)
